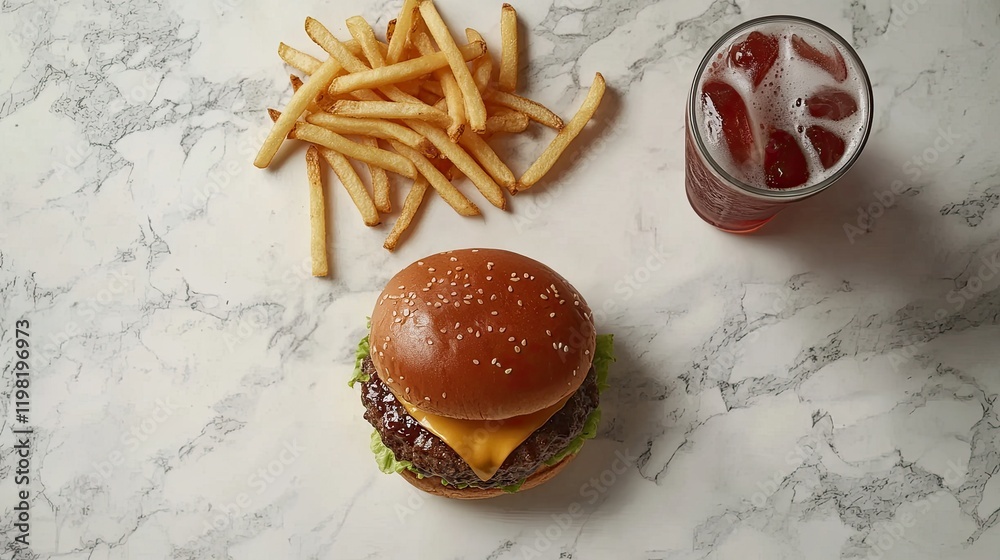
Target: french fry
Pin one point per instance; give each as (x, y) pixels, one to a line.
(474, 106)
(507, 81)
(365, 36)
(401, 71)
(298, 105)
(401, 31)
(486, 185)
(390, 29)
(413, 200)
(317, 215)
(314, 106)
(391, 110)
(329, 139)
(535, 111)
(448, 192)
(376, 128)
(380, 181)
(482, 67)
(449, 86)
(562, 140)
(298, 60)
(477, 147)
(507, 122)
(349, 178)
(322, 36)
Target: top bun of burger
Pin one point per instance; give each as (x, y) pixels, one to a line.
(481, 334)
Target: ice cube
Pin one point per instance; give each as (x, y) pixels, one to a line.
(828, 145)
(832, 63)
(832, 104)
(726, 115)
(785, 166)
(755, 55)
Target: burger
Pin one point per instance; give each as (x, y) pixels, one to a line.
(481, 373)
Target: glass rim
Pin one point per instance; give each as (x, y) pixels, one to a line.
(790, 194)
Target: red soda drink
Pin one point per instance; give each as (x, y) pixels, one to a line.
(780, 109)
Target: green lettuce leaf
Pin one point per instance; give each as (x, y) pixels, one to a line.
(359, 356)
(385, 458)
(604, 355)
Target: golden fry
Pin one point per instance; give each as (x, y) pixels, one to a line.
(482, 67)
(535, 111)
(486, 185)
(474, 106)
(390, 29)
(477, 147)
(317, 215)
(329, 139)
(449, 86)
(448, 192)
(562, 140)
(391, 110)
(365, 36)
(507, 81)
(298, 105)
(380, 180)
(401, 31)
(349, 178)
(509, 122)
(376, 128)
(413, 200)
(400, 72)
(298, 60)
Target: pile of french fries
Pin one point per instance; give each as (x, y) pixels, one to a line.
(420, 106)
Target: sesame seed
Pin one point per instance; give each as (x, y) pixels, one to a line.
(515, 279)
(406, 313)
(402, 287)
(489, 278)
(494, 313)
(430, 342)
(389, 380)
(489, 328)
(552, 314)
(407, 390)
(397, 320)
(576, 303)
(586, 352)
(460, 337)
(393, 313)
(493, 297)
(520, 303)
(548, 332)
(526, 275)
(565, 348)
(510, 289)
(494, 362)
(477, 334)
(475, 250)
(475, 362)
(468, 297)
(479, 291)
(453, 259)
(470, 330)
(511, 339)
(532, 277)
(503, 329)
(562, 301)
(444, 395)
(508, 370)
(387, 339)
(427, 399)
(459, 269)
(458, 304)
(444, 331)
(430, 270)
(446, 301)
(466, 285)
(425, 289)
(517, 349)
(489, 266)
(479, 301)
(385, 345)
(545, 296)
(401, 378)
(453, 294)
(420, 263)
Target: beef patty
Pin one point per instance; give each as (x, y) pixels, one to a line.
(430, 456)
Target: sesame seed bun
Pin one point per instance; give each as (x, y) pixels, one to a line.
(432, 484)
(481, 334)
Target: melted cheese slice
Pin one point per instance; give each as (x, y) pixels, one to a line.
(483, 444)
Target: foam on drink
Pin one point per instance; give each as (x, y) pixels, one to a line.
(780, 100)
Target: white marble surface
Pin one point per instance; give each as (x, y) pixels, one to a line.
(798, 394)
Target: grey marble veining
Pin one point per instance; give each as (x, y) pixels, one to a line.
(825, 389)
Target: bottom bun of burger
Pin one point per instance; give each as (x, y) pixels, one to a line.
(433, 485)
